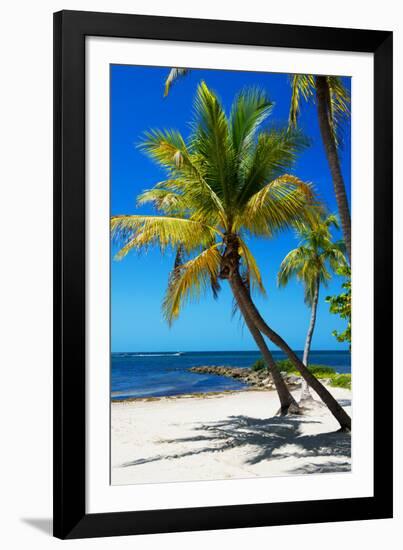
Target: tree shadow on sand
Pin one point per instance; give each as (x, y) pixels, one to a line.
(266, 439)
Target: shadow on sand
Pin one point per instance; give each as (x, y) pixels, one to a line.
(271, 438)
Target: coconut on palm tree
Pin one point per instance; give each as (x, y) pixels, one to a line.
(226, 182)
(332, 101)
(311, 263)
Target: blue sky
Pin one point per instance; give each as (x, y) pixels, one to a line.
(138, 282)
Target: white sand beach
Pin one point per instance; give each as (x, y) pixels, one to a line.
(225, 436)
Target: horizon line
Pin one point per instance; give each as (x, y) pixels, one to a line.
(226, 351)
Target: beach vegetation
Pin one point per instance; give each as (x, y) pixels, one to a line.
(341, 305)
(322, 371)
(341, 381)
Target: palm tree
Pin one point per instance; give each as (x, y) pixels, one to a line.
(226, 182)
(332, 101)
(310, 263)
(332, 104)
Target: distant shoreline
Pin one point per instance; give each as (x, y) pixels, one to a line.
(176, 352)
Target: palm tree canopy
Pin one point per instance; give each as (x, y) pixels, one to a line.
(316, 253)
(338, 101)
(228, 178)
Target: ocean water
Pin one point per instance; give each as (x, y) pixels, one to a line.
(162, 374)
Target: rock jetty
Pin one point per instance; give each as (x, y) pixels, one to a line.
(255, 379)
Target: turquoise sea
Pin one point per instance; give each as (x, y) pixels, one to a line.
(137, 374)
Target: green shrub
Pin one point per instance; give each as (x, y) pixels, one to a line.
(259, 365)
(285, 365)
(321, 371)
(341, 381)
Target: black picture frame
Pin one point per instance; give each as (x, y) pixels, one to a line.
(70, 517)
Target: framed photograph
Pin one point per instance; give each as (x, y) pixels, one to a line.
(223, 274)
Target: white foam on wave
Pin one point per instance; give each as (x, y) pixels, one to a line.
(152, 354)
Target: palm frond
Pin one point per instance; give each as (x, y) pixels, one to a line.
(138, 232)
(173, 75)
(278, 205)
(211, 140)
(274, 154)
(336, 256)
(187, 176)
(331, 221)
(249, 110)
(291, 265)
(301, 85)
(165, 200)
(338, 107)
(165, 147)
(180, 259)
(191, 280)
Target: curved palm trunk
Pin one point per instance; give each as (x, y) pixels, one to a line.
(305, 393)
(337, 410)
(322, 95)
(287, 401)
